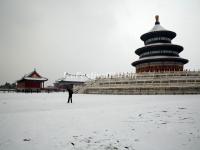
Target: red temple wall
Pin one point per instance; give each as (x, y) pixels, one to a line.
(33, 84)
(29, 85)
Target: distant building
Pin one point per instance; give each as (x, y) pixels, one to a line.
(70, 81)
(32, 82)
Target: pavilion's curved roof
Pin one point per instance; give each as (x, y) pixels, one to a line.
(33, 76)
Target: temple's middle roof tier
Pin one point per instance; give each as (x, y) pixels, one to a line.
(159, 46)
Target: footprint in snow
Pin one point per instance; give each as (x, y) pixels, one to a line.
(75, 136)
(27, 139)
(136, 140)
(72, 144)
(181, 108)
(164, 111)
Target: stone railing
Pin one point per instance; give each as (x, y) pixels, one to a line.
(151, 81)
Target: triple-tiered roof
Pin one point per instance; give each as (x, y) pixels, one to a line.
(159, 54)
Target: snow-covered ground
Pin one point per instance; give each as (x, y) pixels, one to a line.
(97, 122)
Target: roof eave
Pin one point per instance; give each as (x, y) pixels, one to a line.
(169, 33)
(179, 59)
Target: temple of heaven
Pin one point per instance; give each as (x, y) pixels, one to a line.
(159, 70)
(159, 54)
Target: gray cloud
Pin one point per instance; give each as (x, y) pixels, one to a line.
(87, 35)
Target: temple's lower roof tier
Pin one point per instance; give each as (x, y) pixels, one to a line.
(159, 59)
(159, 46)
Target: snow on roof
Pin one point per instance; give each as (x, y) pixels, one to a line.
(162, 44)
(157, 27)
(73, 78)
(158, 57)
(33, 76)
(38, 79)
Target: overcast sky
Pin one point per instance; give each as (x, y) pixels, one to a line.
(57, 36)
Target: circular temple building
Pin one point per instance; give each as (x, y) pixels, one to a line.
(159, 54)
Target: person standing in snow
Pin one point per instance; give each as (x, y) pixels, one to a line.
(70, 91)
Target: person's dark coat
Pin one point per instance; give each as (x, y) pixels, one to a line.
(70, 91)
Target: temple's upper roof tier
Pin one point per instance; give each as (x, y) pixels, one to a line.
(158, 31)
(159, 46)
